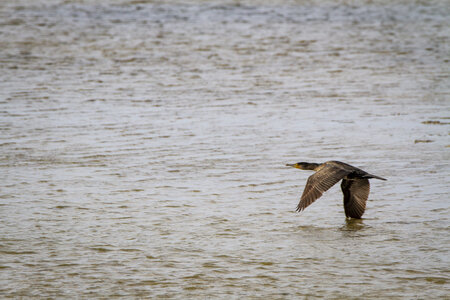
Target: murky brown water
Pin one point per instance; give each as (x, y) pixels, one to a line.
(143, 145)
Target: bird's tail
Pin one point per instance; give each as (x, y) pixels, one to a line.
(374, 176)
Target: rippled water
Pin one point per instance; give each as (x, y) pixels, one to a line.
(143, 148)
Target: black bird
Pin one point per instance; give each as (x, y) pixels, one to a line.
(355, 185)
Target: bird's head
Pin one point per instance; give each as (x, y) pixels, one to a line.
(304, 166)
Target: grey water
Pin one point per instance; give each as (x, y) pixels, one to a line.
(143, 147)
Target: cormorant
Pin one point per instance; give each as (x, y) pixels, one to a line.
(355, 185)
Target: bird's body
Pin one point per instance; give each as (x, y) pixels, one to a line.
(355, 185)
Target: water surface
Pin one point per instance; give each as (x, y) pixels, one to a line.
(143, 148)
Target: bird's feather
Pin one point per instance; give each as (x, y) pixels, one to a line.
(319, 182)
(355, 193)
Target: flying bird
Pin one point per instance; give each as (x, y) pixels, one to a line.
(355, 185)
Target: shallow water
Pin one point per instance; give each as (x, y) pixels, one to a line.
(143, 148)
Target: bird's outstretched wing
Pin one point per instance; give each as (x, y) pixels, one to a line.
(320, 182)
(355, 193)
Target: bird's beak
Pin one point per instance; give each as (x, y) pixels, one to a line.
(291, 165)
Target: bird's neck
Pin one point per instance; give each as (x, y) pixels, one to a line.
(312, 166)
